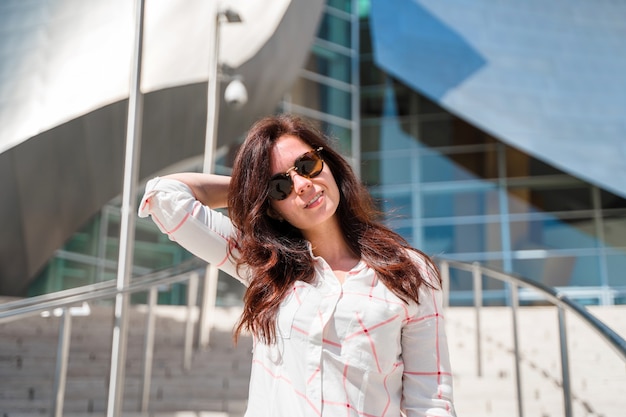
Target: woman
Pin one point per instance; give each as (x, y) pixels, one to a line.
(345, 315)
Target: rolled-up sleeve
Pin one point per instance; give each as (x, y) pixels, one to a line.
(185, 220)
(427, 378)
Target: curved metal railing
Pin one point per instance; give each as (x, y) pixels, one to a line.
(189, 272)
(64, 303)
(552, 295)
(26, 307)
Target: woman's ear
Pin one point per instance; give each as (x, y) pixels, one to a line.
(273, 214)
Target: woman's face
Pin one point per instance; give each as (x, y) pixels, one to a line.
(313, 201)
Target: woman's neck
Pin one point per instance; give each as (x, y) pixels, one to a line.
(330, 243)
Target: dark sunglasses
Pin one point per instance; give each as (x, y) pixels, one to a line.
(307, 165)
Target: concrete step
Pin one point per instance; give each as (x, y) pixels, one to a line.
(598, 375)
(218, 378)
(136, 414)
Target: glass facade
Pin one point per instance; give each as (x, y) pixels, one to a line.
(449, 188)
(456, 192)
(327, 90)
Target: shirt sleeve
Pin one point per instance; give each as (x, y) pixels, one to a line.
(185, 220)
(427, 378)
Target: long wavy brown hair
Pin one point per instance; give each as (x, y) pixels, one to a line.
(276, 252)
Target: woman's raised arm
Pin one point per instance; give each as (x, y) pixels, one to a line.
(210, 189)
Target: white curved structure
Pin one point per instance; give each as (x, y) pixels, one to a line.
(64, 82)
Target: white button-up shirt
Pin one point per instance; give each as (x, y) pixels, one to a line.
(351, 349)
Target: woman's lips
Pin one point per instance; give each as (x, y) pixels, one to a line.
(314, 200)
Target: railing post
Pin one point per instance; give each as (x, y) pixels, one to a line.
(207, 308)
(478, 303)
(192, 297)
(444, 267)
(127, 222)
(148, 350)
(60, 373)
(518, 375)
(567, 393)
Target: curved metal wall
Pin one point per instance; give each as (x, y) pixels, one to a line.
(64, 76)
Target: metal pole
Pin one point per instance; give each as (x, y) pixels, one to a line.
(213, 102)
(60, 373)
(518, 375)
(148, 350)
(209, 293)
(478, 303)
(567, 392)
(445, 282)
(207, 309)
(192, 296)
(127, 223)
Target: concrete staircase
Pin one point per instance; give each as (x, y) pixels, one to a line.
(216, 384)
(217, 380)
(598, 375)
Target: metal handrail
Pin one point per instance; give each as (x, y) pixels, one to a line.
(187, 271)
(554, 296)
(62, 301)
(17, 309)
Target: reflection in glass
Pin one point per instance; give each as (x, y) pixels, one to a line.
(520, 164)
(330, 100)
(609, 200)
(436, 166)
(616, 264)
(615, 231)
(335, 29)
(341, 134)
(550, 198)
(454, 239)
(559, 271)
(395, 206)
(329, 63)
(345, 5)
(460, 193)
(481, 202)
(551, 232)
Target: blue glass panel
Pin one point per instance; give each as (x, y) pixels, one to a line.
(611, 201)
(323, 98)
(559, 271)
(438, 132)
(461, 288)
(342, 135)
(523, 165)
(396, 170)
(336, 30)
(464, 203)
(552, 271)
(616, 264)
(370, 171)
(370, 137)
(435, 167)
(329, 63)
(549, 199)
(406, 232)
(553, 233)
(615, 230)
(388, 170)
(396, 207)
(345, 5)
(462, 238)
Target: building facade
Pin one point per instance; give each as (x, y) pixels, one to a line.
(451, 188)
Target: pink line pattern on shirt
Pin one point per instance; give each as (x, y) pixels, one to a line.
(170, 232)
(288, 381)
